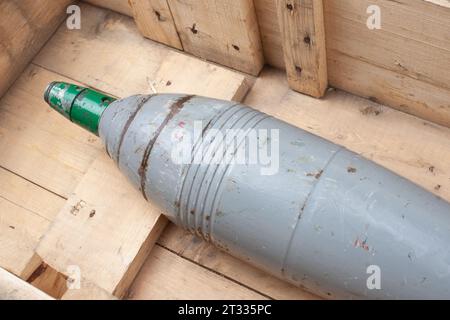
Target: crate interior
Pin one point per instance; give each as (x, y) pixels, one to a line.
(53, 173)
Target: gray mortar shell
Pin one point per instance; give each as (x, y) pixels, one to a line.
(323, 221)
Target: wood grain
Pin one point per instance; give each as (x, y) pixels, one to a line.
(154, 20)
(24, 28)
(222, 31)
(14, 288)
(303, 36)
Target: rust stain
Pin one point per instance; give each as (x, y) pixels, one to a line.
(315, 175)
(174, 109)
(361, 244)
(208, 125)
(128, 123)
(351, 169)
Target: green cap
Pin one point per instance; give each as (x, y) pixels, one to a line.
(81, 105)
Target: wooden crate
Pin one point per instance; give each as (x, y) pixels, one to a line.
(65, 210)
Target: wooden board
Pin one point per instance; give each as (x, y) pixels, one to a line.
(36, 176)
(24, 29)
(303, 35)
(167, 276)
(27, 125)
(154, 20)
(266, 12)
(121, 6)
(148, 66)
(14, 288)
(202, 253)
(105, 229)
(399, 65)
(222, 31)
(225, 32)
(26, 211)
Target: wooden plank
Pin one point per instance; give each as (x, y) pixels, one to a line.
(25, 25)
(200, 252)
(14, 288)
(106, 229)
(27, 125)
(121, 6)
(216, 81)
(87, 289)
(165, 276)
(70, 53)
(222, 31)
(303, 36)
(399, 65)
(443, 3)
(266, 12)
(26, 211)
(401, 45)
(154, 20)
(388, 87)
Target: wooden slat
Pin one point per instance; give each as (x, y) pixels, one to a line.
(266, 12)
(14, 288)
(148, 66)
(121, 6)
(398, 65)
(154, 20)
(443, 3)
(303, 36)
(223, 31)
(27, 126)
(25, 26)
(402, 44)
(388, 87)
(166, 276)
(194, 249)
(106, 229)
(401, 64)
(26, 211)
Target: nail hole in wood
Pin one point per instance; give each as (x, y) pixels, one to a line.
(290, 7)
(298, 69)
(158, 15)
(307, 40)
(235, 47)
(193, 29)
